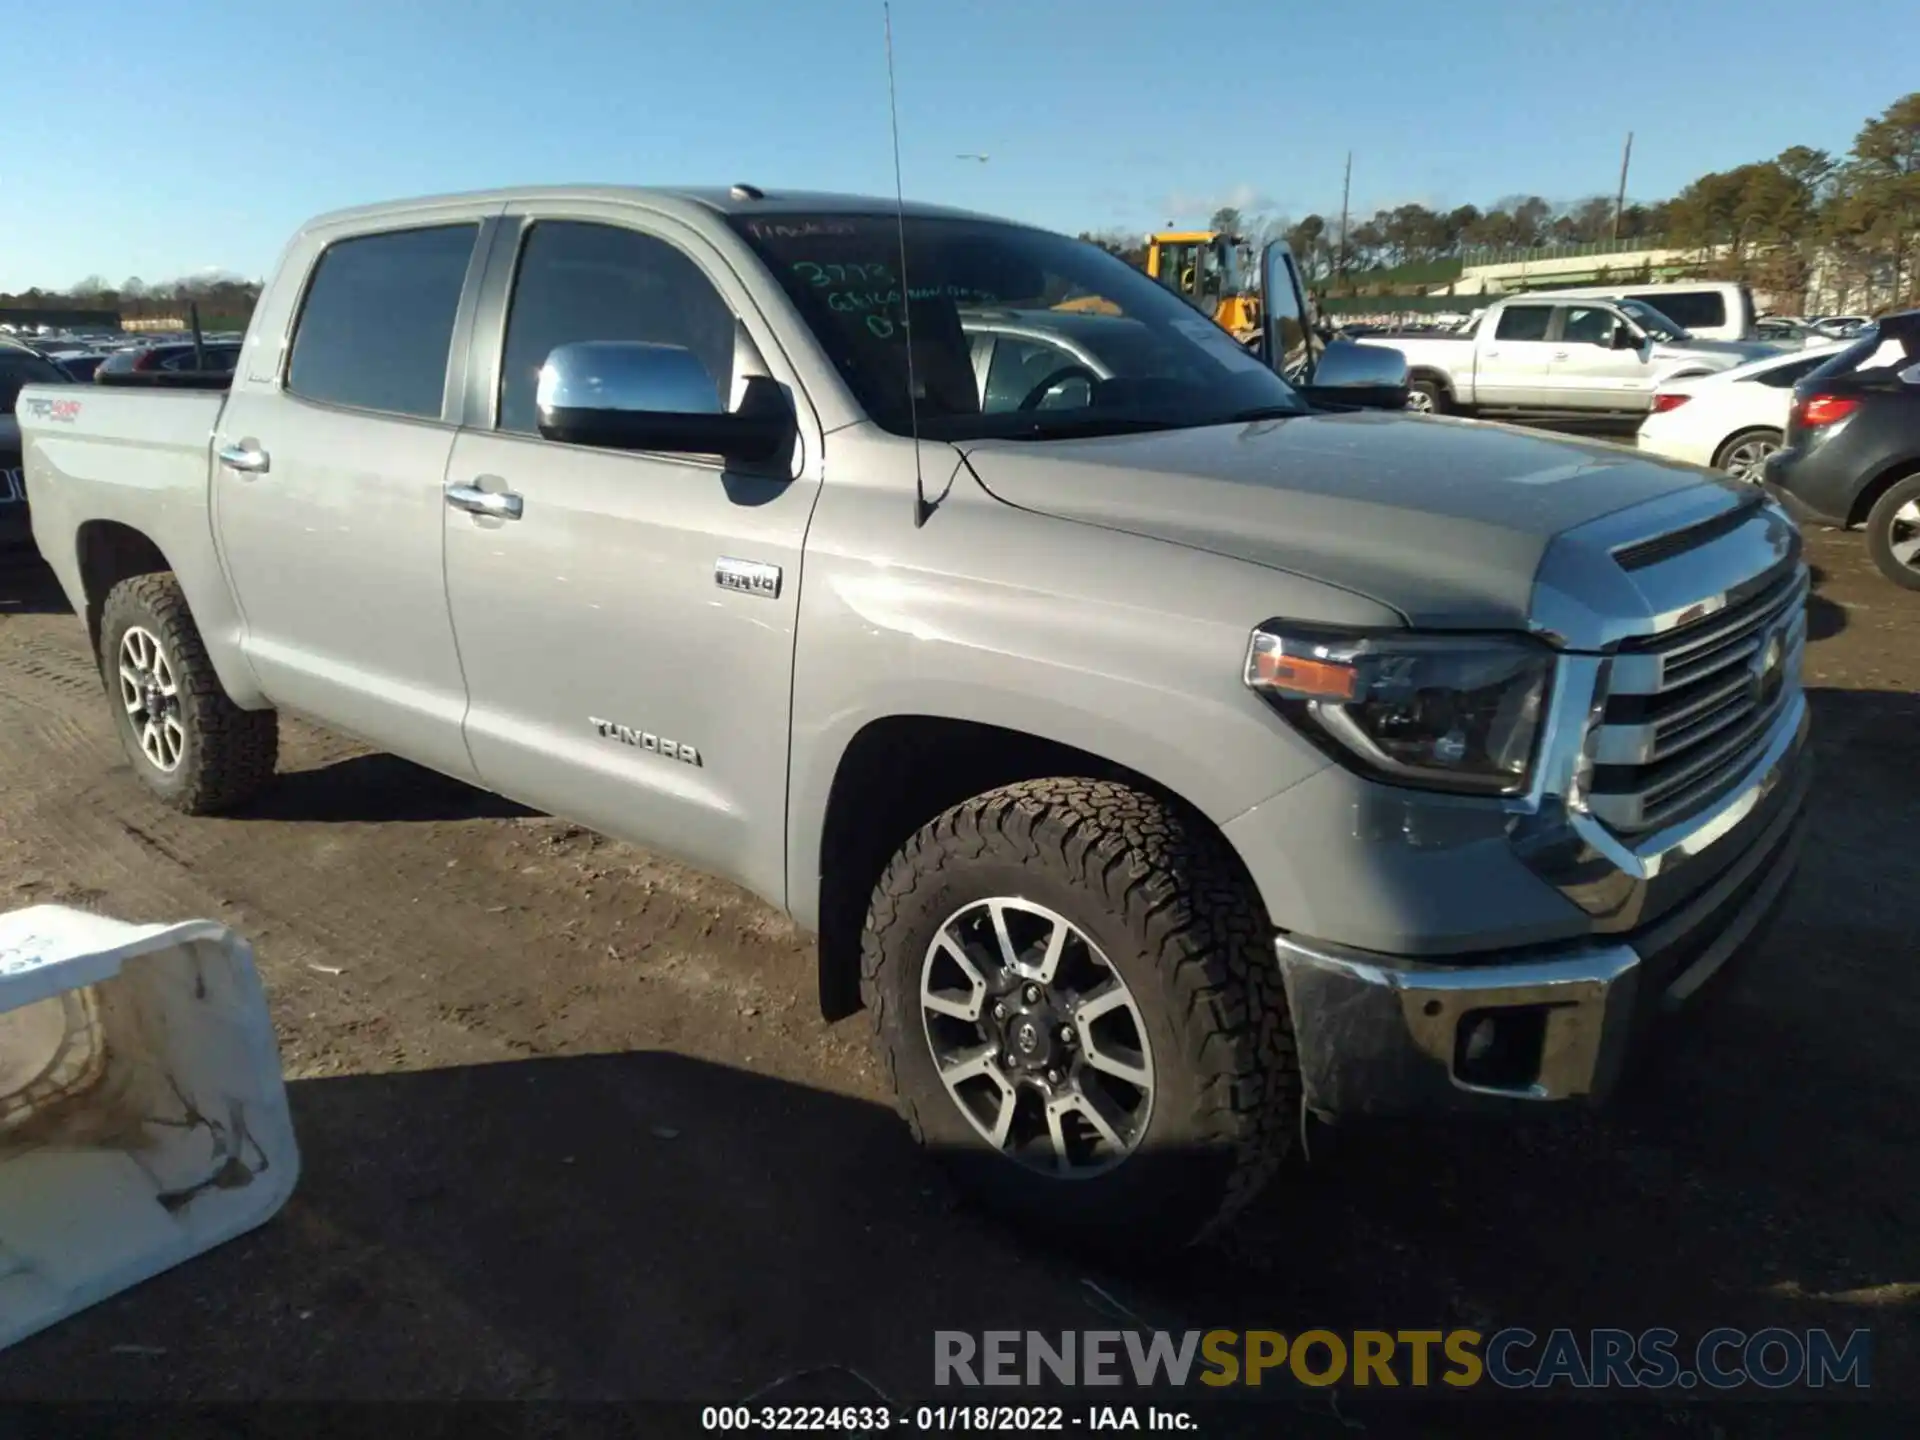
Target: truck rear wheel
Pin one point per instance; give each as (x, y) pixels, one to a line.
(189, 744)
(1074, 987)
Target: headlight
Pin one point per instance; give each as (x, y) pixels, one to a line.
(1441, 711)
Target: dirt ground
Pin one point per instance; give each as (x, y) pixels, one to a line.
(572, 1128)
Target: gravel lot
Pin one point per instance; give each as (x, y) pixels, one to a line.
(572, 1127)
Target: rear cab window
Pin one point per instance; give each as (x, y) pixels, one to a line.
(1689, 309)
(376, 324)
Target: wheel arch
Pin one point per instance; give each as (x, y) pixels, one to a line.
(1883, 481)
(1745, 431)
(896, 773)
(108, 552)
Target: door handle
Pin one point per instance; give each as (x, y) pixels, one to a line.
(499, 504)
(238, 457)
(1559, 354)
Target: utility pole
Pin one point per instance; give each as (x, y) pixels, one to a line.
(1620, 196)
(1346, 189)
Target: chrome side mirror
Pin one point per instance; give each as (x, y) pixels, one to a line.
(1349, 374)
(634, 395)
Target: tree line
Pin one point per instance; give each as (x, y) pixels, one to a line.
(1770, 222)
(227, 296)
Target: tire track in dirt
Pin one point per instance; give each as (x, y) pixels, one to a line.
(507, 934)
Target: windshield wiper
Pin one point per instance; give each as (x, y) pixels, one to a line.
(1263, 412)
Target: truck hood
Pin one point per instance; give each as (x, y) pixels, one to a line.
(1442, 520)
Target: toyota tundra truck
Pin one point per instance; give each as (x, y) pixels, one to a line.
(1156, 746)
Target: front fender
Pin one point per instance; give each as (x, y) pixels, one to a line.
(1128, 648)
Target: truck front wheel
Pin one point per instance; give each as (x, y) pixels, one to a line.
(189, 744)
(1074, 987)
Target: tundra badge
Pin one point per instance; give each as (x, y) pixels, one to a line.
(644, 740)
(749, 577)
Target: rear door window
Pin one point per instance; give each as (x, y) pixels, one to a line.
(377, 323)
(1524, 322)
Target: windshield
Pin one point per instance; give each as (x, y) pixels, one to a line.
(19, 368)
(1652, 321)
(1017, 333)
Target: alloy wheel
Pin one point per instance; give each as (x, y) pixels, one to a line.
(1748, 460)
(1036, 1037)
(1903, 536)
(151, 696)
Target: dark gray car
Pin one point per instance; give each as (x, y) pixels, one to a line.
(19, 367)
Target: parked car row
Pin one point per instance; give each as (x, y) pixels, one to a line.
(1851, 454)
(1833, 431)
(84, 354)
(1730, 421)
(1548, 357)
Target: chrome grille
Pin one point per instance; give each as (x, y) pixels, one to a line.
(1685, 712)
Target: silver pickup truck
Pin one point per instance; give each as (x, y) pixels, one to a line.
(1154, 749)
(1547, 357)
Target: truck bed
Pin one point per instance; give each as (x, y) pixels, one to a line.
(98, 453)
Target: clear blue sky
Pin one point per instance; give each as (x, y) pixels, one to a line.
(156, 140)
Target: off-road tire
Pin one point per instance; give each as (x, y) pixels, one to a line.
(1880, 532)
(229, 753)
(1167, 902)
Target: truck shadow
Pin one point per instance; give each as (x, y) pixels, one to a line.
(27, 586)
(1825, 618)
(375, 788)
(653, 1225)
(649, 1226)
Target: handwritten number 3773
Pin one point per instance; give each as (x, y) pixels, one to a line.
(820, 276)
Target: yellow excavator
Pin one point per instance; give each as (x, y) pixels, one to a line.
(1209, 269)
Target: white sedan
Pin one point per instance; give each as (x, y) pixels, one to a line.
(1733, 420)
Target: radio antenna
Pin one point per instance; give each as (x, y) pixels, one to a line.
(906, 302)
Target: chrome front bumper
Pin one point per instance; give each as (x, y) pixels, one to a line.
(1382, 1035)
